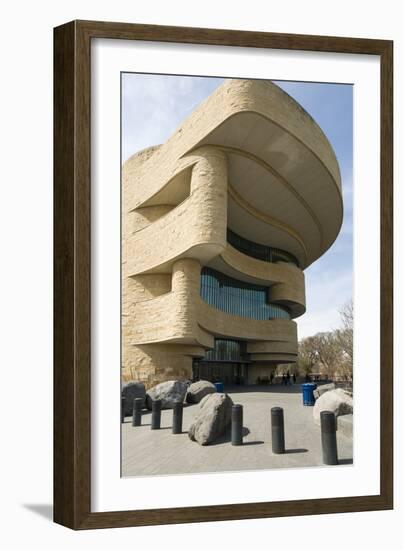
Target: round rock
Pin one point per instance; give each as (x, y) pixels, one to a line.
(338, 401)
(212, 419)
(168, 392)
(198, 390)
(130, 391)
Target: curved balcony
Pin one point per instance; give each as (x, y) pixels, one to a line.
(286, 282)
(282, 352)
(225, 325)
(182, 317)
(196, 228)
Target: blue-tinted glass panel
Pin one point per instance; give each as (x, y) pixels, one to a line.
(237, 297)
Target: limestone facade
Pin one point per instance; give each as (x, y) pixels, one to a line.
(249, 160)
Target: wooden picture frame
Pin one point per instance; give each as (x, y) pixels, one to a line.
(72, 271)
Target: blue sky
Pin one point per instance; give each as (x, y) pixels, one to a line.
(153, 106)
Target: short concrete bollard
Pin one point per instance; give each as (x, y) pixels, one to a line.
(328, 427)
(237, 425)
(137, 410)
(277, 430)
(156, 414)
(122, 409)
(177, 417)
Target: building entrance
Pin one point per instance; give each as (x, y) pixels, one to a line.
(230, 373)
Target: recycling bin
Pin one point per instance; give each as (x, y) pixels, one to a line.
(308, 398)
(219, 386)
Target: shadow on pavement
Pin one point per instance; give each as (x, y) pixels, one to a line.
(270, 388)
(275, 388)
(226, 438)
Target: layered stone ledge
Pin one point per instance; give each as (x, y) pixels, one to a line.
(231, 99)
(286, 281)
(195, 229)
(181, 316)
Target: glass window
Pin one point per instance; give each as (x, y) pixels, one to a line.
(227, 350)
(237, 297)
(259, 251)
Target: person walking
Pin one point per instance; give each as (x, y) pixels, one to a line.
(288, 379)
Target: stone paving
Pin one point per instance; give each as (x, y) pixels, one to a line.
(159, 452)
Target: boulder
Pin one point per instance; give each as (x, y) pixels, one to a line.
(320, 390)
(130, 391)
(198, 390)
(168, 392)
(338, 401)
(212, 419)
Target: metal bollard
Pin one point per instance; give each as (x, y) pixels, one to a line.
(177, 417)
(277, 430)
(137, 409)
(328, 427)
(122, 409)
(156, 414)
(236, 425)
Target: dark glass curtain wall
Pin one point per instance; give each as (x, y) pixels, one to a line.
(259, 251)
(226, 350)
(237, 297)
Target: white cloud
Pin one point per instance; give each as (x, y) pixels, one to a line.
(153, 106)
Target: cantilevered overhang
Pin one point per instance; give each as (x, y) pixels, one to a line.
(284, 185)
(285, 280)
(283, 179)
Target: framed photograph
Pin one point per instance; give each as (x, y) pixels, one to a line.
(223, 263)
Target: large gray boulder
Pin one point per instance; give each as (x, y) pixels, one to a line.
(130, 391)
(338, 401)
(198, 390)
(320, 390)
(168, 392)
(212, 419)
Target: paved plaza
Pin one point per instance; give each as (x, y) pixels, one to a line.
(159, 452)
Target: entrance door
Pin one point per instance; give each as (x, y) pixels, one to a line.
(228, 373)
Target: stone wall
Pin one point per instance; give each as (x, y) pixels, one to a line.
(175, 204)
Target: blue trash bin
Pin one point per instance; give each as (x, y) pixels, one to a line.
(308, 398)
(219, 386)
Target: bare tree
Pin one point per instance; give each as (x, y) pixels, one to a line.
(307, 355)
(330, 352)
(345, 337)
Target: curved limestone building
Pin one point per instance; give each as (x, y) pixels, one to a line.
(218, 225)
